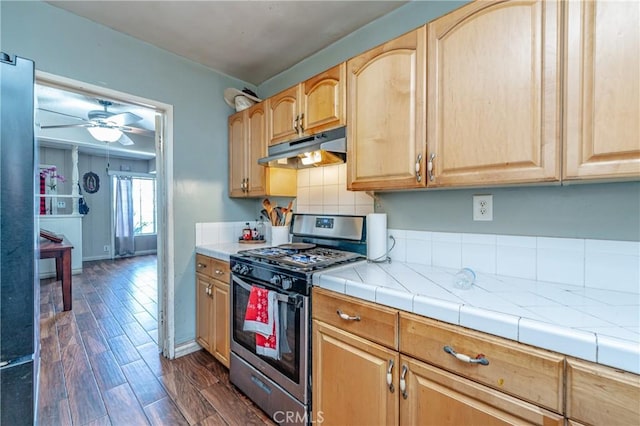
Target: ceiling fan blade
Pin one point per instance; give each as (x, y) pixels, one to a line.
(62, 113)
(125, 140)
(62, 126)
(137, 131)
(124, 118)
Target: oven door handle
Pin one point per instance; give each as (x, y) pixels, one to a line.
(293, 299)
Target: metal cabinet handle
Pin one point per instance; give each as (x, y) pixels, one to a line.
(418, 167)
(295, 123)
(302, 123)
(201, 265)
(479, 359)
(390, 376)
(430, 167)
(218, 272)
(208, 290)
(403, 382)
(347, 317)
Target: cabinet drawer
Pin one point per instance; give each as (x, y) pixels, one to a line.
(533, 374)
(376, 323)
(601, 395)
(214, 268)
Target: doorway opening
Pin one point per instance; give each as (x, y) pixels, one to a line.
(143, 148)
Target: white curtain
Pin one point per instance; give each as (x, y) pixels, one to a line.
(124, 241)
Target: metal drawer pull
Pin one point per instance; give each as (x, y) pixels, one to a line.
(347, 317)
(218, 272)
(479, 359)
(201, 265)
(403, 382)
(390, 377)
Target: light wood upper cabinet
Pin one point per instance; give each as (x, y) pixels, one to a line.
(494, 92)
(248, 143)
(602, 90)
(386, 115)
(312, 106)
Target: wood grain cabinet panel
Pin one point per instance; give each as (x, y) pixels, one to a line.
(436, 397)
(386, 115)
(212, 306)
(369, 320)
(529, 373)
(350, 379)
(494, 93)
(247, 144)
(601, 395)
(309, 107)
(603, 90)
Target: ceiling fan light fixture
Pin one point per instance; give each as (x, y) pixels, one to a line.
(105, 134)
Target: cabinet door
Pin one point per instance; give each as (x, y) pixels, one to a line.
(220, 332)
(349, 379)
(603, 90)
(600, 395)
(237, 160)
(386, 115)
(283, 114)
(323, 101)
(256, 148)
(203, 312)
(436, 397)
(493, 93)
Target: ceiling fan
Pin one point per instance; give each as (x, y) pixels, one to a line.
(104, 125)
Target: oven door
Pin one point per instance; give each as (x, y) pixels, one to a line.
(291, 370)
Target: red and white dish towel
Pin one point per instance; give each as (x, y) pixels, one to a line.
(262, 318)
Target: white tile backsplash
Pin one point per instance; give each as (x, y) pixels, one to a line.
(324, 190)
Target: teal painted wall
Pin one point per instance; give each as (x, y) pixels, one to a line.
(601, 211)
(67, 45)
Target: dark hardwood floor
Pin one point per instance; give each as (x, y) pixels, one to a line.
(100, 363)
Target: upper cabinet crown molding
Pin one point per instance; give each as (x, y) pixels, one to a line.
(602, 112)
(309, 107)
(494, 94)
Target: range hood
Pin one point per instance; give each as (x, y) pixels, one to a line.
(322, 149)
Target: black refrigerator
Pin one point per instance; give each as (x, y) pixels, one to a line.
(19, 287)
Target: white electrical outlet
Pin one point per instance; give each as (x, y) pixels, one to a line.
(61, 204)
(483, 207)
(106, 249)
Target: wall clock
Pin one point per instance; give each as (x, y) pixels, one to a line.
(90, 182)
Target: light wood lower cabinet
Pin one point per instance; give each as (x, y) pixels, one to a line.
(436, 397)
(600, 395)
(212, 307)
(350, 383)
(350, 379)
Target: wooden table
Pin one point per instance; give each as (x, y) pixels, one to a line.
(62, 253)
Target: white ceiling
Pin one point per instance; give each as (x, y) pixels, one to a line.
(250, 40)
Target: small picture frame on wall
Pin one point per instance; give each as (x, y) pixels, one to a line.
(90, 182)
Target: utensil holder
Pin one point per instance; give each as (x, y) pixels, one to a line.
(279, 235)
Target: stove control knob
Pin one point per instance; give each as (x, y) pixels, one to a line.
(235, 268)
(276, 280)
(286, 283)
(244, 270)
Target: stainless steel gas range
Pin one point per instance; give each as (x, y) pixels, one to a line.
(279, 382)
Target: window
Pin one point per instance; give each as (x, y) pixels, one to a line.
(144, 205)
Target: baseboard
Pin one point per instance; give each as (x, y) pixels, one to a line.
(43, 275)
(186, 348)
(90, 258)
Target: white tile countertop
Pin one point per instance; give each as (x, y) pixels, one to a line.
(597, 325)
(224, 250)
(594, 324)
